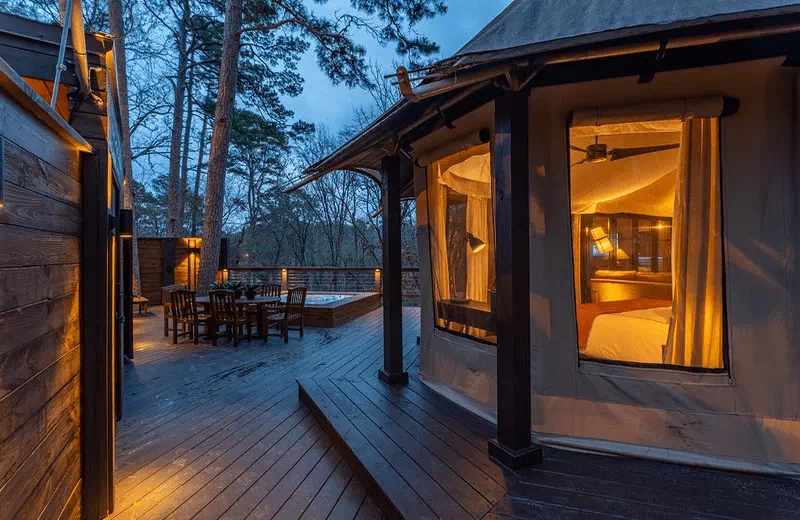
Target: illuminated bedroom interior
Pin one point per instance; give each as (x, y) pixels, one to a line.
(641, 295)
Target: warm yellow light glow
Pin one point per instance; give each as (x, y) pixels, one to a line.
(622, 255)
(601, 240)
(476, 245)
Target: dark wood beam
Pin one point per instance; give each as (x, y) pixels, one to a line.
(393, 168)
(513, 445)
(127, 290)
(97, 366)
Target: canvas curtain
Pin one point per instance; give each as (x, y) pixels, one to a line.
(695, 337)
(437, 216)
(478, 263)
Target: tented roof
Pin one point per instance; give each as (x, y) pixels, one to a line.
(530, 27)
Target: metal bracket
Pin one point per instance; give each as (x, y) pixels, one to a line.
(449, 124)
(647, 77)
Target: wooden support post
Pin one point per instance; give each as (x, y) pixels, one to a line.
(392, 371)
(127, 291)
(513, 445)
(97, 357)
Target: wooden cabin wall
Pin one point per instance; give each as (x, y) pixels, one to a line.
(40, 233)
(151, 266)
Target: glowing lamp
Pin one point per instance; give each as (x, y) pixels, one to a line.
(476, 245)
(601, 241)
(126, 223)
(622, 255)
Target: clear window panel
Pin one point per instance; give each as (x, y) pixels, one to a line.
(644, 199)
(461, 224)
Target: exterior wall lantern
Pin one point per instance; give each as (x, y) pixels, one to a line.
(126, 223)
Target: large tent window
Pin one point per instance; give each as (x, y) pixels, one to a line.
(461, 217)
(647, 238)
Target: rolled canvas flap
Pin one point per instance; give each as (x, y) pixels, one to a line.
(460, 144)
(680, 109)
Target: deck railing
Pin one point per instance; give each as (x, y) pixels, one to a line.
(330, 279)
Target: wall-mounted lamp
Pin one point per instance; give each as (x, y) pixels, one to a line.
(126, 223)
(476, 245)
(2, 172)
(601, 241)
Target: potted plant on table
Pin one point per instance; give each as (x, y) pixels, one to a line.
(251, 289)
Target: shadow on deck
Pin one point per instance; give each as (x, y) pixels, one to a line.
(421, 456)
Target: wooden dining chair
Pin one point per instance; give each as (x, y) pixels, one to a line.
(292, 316)
(271, 290)
(225, 311)
(184, 312)
(166, 304)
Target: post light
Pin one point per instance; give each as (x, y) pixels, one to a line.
(126, 223)
(377, 280)
(284, 279)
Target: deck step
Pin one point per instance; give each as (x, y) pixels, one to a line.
(411, 472)
(394, 496)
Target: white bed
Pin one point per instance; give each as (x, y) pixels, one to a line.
(635, 336)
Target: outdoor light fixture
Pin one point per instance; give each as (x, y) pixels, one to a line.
(476, 245)
(601, 241)
(126, 223)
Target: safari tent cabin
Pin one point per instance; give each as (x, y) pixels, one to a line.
(61, 318)
(608, 209)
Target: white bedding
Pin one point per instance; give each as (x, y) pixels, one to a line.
(635, 336)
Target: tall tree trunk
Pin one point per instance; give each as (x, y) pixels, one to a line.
(185, 156)
(174, 224)
(220, 139)
(118, 31)
(200, 156)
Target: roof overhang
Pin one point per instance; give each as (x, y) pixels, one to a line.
(407, 121)
(22, 93)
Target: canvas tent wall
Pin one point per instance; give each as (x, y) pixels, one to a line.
(747, 418)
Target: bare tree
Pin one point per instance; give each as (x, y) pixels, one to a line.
(118, 31)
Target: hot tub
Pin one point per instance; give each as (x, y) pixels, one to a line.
(328, 310)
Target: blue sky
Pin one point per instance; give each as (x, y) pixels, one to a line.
(321, 102)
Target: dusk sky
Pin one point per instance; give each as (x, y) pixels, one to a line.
(321, 102)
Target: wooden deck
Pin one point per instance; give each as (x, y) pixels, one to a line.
(220, 433)
(420, 456)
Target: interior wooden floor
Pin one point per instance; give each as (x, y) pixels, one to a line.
(219, 432)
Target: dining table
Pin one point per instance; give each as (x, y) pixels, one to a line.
(259, 302)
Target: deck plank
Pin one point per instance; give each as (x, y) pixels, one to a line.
(222, 432)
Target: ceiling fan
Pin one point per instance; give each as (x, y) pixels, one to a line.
(599, 152)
